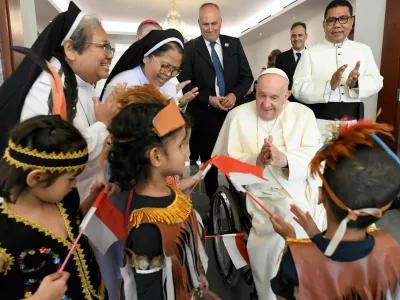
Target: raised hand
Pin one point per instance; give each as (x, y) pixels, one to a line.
(189, 96)
(182, 85)
(353, 76)
(283, 228)
(305, 220)
(337, 77)
(106, 111)
(270, 155)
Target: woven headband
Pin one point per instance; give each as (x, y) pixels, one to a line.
(32, 159)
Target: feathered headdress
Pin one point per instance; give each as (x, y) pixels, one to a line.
(349, 137)
(167, 120)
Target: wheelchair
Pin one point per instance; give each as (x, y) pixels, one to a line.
(229, 215)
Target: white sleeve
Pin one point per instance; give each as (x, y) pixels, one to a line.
(304, 88)
(299, 159)
(36, 102)
(371, 81)
(228, 142)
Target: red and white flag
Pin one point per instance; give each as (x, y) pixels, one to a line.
(234, 244)
(103, 223)
(240, 174)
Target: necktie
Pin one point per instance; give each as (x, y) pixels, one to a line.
(218, 70)
(298, 54)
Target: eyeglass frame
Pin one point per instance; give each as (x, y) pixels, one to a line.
(170, 68)
(337, 19)
(106, 47)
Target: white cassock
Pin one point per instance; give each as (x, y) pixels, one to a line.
(295, 132)
(311, 80)
(36, 103)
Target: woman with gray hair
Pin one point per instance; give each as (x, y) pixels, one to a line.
(77, 46)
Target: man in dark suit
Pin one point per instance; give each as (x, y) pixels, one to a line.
(218, 66)
(287, 61)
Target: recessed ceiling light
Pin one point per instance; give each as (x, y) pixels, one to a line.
(260, 33)
(294, 18)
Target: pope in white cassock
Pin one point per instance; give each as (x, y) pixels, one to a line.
(281, 137)
(337, 69)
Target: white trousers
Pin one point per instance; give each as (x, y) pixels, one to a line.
(265, 246)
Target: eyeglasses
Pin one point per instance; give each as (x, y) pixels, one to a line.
(342, 20)
(168, 69)
(107, 48)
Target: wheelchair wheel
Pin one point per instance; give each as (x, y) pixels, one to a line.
(225, 219)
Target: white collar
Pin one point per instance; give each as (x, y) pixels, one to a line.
(81, 82)
(208, 42)
(301, 51)
(336, 44)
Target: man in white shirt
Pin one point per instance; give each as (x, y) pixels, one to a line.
(333, 76)
(288, 60)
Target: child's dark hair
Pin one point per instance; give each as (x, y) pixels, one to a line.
(133, 135)
(359, 173)
(43, 133)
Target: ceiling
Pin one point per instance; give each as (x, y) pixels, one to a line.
(299, 11)
(123, 16)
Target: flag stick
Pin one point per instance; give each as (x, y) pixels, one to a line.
(259, 204)
(83, 225)
(222, 235)
(205, 171)
(70, 251)
(194, 186)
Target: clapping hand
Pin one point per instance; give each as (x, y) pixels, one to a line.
(337, 77)
(270, 155)
(353, 76)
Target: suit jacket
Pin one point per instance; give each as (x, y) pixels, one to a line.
(197, 66)
(287, 63)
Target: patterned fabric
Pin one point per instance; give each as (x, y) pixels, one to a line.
(33, 252)
(218, 69)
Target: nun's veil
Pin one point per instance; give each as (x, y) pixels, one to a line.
(133, 56)
(48, 44)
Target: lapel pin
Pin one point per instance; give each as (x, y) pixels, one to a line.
(226, 45)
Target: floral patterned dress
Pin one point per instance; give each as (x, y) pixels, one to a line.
(31, 252)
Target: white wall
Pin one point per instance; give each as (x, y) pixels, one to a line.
(373, 37)
(29, 27)
(257, 53)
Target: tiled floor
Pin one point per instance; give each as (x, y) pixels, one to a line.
(389, 222)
